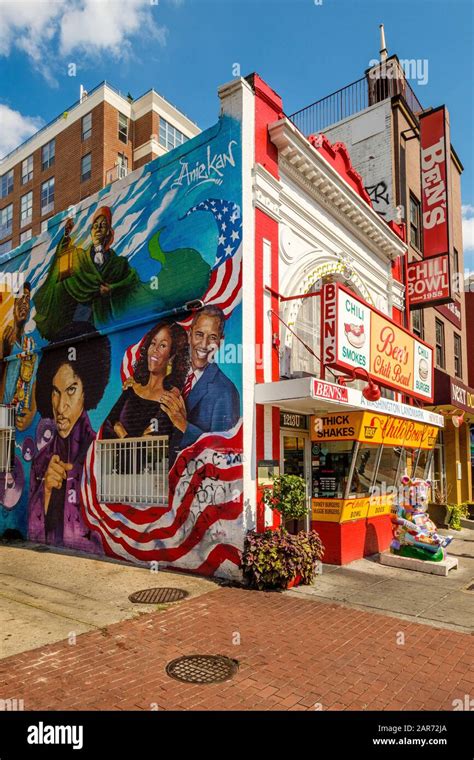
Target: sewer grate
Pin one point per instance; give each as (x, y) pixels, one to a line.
(40, 548)
(202, 668)
(158, 595)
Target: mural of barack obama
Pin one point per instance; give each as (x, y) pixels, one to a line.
(209, 401)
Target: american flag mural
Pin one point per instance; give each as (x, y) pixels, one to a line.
(225, 283)
(201, 528)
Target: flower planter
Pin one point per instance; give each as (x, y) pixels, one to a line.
(294, 582)
(440, 514)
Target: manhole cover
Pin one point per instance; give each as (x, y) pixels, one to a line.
(202, 668)
(158, 595)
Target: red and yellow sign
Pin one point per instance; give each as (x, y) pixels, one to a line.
(370, 427)
(357, 336)
(345, 510)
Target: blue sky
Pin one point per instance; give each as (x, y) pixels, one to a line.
(186, 48)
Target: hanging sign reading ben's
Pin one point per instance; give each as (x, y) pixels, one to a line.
(355, 335)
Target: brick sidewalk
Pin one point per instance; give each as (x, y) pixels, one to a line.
(293, 654)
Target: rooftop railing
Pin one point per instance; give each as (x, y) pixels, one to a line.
(350, 100)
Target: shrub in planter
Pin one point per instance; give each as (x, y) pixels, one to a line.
(457, 513)
(275, 558)
(287, 496)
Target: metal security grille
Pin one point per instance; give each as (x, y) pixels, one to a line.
(7, 438)
(133, 470)
(199, 668)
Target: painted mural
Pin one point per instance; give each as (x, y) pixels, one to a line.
(128, 436)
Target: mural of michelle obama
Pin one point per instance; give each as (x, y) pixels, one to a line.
(68, 386)
(162, 365)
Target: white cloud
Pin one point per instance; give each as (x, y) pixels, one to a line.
(48, 31)
(468, 227)
(15, 128)
(93, 26)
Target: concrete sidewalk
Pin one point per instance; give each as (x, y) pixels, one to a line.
(47, 594)
(367, 585)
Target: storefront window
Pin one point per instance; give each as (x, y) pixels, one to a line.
(421, 463)
(391, 467)
(331, 463)
(364, 470)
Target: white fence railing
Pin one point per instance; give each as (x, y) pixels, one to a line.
(7, 437)
(133, 470)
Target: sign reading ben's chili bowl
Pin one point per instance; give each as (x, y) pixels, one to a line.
(370, 427)
(355, 334)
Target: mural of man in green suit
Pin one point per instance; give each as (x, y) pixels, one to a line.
(91, 284)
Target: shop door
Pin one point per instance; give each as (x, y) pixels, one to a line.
(295, 461)
(438, 475)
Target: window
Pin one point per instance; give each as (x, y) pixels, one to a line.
(47, 155)
(47, 196)
(44, 225)
(26, 235)
(86, 165)
(122, 166)
(440, 352)
(169, 136)
(26, 210)
(456, 276)
(418, 322)
(415, 227)
(27, 170)
(133, 471)
(6, 246)
(6, 184)
(122, 128)
(330, 468)
(457, 355)
(6, 220)
(86, 126)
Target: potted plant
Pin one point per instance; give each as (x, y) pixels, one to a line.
(438, 509)
(277, 559)
(288, 497)
(457, 513)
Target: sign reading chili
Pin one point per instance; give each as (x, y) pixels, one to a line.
(357, 335)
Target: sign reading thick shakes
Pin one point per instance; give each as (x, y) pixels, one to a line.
(356, 335)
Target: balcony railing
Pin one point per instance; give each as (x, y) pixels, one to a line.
(116, 172)
(133, 470)
(7, 437)
(352, 99)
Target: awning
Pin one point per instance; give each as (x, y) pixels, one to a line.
(451, 395)
(308, 395)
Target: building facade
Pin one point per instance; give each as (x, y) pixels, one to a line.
(96, 141)
(378, 119)
(215, 317)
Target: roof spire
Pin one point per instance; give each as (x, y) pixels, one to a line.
(383, 49)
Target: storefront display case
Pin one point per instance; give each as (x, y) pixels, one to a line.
(357, 460)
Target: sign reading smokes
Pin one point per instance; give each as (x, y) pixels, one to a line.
(355, 335)
(429, 281)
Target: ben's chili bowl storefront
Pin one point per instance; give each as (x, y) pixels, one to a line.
(355, 450)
